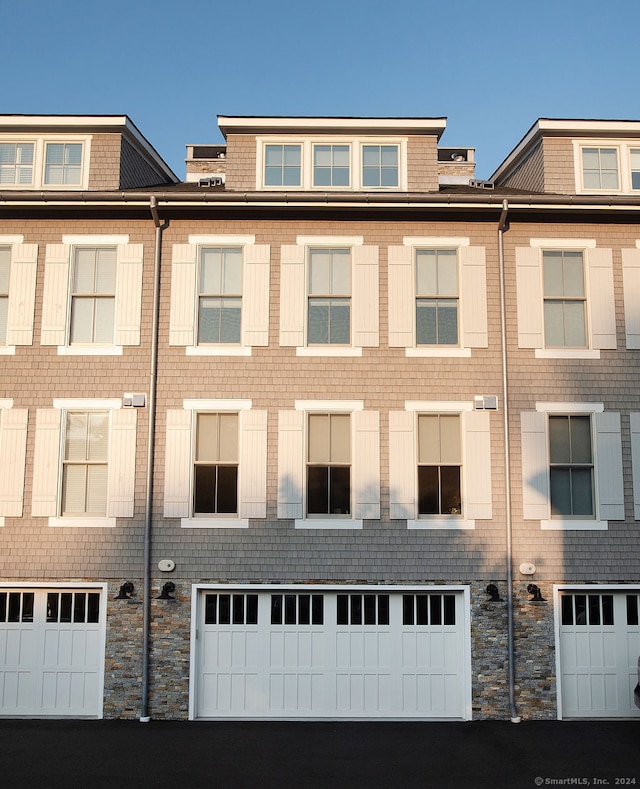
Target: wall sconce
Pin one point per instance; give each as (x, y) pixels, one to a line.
(494, 594)
(537, 594)
(165, 592)
(126, 590)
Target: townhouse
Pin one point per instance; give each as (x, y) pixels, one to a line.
(330, 429)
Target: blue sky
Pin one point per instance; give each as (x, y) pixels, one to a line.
(490, 67)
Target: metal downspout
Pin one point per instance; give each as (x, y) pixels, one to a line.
(502, 228)
(153, 375)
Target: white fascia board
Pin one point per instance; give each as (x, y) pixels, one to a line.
(11, 121)
(297, 124)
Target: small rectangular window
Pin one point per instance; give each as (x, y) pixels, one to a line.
(331, 165)
(297, 609)
(85, 465)
(632, 609)
(5, 267)
(329, 464)
(583, 609)
(231, 609)
(565, 304)
(329, 308)
(220, 296)
(215, 473)
(16, 606)
(437, 297)
(16, 163)
(93, 297)
(600, 168)
(428, 609)
(362, 609)
(282, 165)
(63, 164)
(571, 466)
(439, 464)
(379, 165)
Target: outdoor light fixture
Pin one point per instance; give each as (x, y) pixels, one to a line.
(126, 590)
(165, 593)
(494, 594)
(537, 594)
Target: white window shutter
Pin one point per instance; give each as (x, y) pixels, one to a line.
(129, 294)
(609, 466)
(253, 464)
(177, 464)
(401, 297)
(402, 465)
(365, 298)
(13, 448)
(255, 308)
(290, 464)
(56, 295)
(183, 295)
(635, 462)
(473, 297)
(477, 465)
(631, 287)
(22, 294)
(601, 298)
(535, 468)
(529, 298)
(122, 463)
(366, 464)
(292, 295)
(46, 463)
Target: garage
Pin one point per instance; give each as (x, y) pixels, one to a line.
(52, 652)
(598, 647)
(330, 652)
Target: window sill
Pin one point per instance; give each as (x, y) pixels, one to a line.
(327, 523)
(328, 351)
(7, 350)
(441, 523)
(82, 522)
(449, 353)
(557, 524)
(566, 353)
(218, 350)
(89, 350)
(214, 523)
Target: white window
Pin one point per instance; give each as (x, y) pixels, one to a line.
(329, 464)
(13, 447)
(18, 264)
(607, 166)
(565, 298)
(84, 462)
(332, 163)
(45, 162)
(437, 297)
(329, 296)
(92, 294)
(216, 464)
(220, 295)
(440, 465)
(571, 466)
(16, 163)
(634, 157)
(600, 169)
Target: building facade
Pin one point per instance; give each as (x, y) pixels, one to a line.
(329, 430)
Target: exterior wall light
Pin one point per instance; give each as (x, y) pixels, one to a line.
(494, 594)
(537, 594)
(165, 592)
(126, 590)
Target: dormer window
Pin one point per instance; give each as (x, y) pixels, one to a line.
(600, 169)
(16, 163)
(331, 165)
(379, 165)
(45, 162)
(63, 163)
(282, 165)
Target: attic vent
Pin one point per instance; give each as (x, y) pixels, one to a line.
(214, 180)
(481, 184)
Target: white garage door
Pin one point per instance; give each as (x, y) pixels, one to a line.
(599, 649)
(314, 654)
(51, 652)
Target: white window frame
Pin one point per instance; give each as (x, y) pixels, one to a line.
(599, 290)
(355, 144)
(183, 321)
(608, 488)
(365, 464)
(475, 476)
(39, 155)
(22, 290)
(199, 295)
(252, 463)
(13, 448)
(73, 295)
(56, 309)
(472, 296)
(623, 149)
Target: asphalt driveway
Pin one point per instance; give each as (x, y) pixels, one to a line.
(235, 755)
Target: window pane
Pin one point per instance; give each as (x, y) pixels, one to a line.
(105, 271)
(317, 490)
(291, 176)
(573, 274)
(560, 492)
(98, 436)
(559, 442)
(426, 322)
(575, 328)
(209, 320)
(340, 491)
(97, 490)
(227, 499)
(104, 317)
(447, 315)
(447, 273)
(211, 271)
(319, 438)
(340, 438)
(76, 437)
(232, 282)
(553, 274)
(339, 321)
(318, 328)
(84, 279)
(450, 496)
(207, 437)
(580, 439)
(81, 320)
(73, 489)
(554, 336)
(228, 438)
(204, 489)
(426, 273)
(340, 272)
(581, 491)
(319, 272)
(428, 503)
(230, 318)
(428, 439)
(450, 439)
(5, 265)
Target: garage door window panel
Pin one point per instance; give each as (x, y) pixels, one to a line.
(231, 609)
(16, 606)
(362, 609)
(297, 609)
(428, 609)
